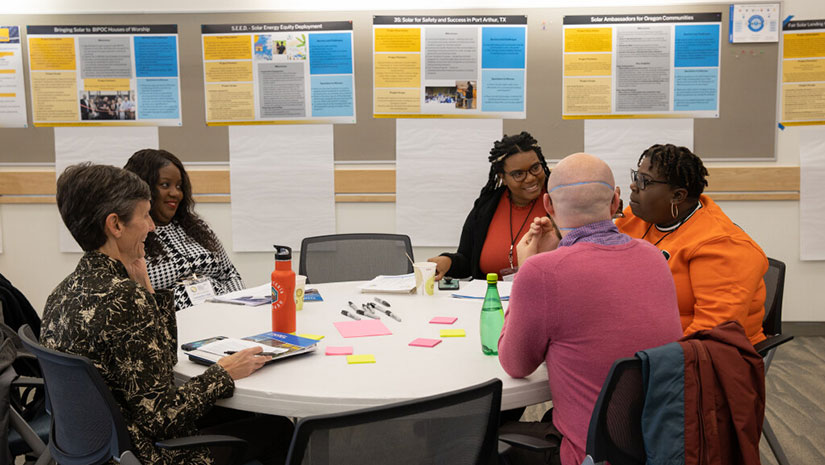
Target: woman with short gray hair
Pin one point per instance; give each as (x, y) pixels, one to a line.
(107, 311)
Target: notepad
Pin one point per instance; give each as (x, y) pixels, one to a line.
(340, 350)
(452, 333)
(444, 320)
(362, 328)
(363, 358)
(424, 342)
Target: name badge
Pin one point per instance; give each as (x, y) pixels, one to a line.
(198, 290)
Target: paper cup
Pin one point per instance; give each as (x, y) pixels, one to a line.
(300, 286)
(424, 277)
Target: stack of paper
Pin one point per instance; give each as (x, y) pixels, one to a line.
(477, 289)
(391, 284)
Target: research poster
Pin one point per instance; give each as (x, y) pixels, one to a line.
(803, 72)
(641, 66)
(284, 73)
(449, 66)
(104, 75)
(12, 88)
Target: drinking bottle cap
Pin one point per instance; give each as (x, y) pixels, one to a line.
(282, 252)
(492, 278)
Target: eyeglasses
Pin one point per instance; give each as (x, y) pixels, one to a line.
(519, 175)
(642, 180)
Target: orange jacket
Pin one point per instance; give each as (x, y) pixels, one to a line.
(716, 266)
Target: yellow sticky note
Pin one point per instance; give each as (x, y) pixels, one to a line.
(364, 358)
(317, 337)
(452, 333)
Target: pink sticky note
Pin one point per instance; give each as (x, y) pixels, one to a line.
(343, 350)
(362, 328)
(444, 320)
(424, 342)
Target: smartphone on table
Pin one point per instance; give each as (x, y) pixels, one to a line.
(448, 284)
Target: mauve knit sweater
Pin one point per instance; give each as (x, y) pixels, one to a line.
(598, 297)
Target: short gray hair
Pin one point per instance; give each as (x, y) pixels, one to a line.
(87, 193)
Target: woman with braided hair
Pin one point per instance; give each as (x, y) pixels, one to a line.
(502, 213)
(716, 266)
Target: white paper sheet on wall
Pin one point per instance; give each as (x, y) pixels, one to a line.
(620, 142)
(283, 185)
(107, 146)
(811, 193)
(441, 165)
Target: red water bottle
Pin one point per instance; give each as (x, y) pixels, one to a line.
(283, 291)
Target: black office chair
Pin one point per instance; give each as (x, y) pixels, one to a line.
(457, 427)
(354, 257)
(772, 327)
(87, 426)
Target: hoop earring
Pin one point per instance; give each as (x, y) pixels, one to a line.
(674, 210)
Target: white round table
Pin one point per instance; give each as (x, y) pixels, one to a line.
(314, 383)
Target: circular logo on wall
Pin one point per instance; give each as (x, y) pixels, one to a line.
(756, 23)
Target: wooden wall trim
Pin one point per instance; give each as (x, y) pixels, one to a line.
(378, 185)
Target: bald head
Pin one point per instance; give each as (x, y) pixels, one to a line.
(581, 189)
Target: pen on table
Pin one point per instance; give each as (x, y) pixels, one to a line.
(368, 308)
(366, 314)
(269, 354)
(387, 312)
(224, 302)
(352, 305)
(382, 302)
(346, 313)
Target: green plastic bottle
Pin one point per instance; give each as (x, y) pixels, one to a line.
(492, 317)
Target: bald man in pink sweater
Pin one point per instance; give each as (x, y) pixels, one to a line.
(581, 303)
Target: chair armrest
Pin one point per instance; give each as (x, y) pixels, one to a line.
(524, 441)
(771, 343)
(237, 445)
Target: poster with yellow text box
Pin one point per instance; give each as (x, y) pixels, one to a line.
(398, 70)
(587, 96)
(228, 71)
(455, 66)
(54, 96)
(653, 65)
(588, 64)
(234, 47)
(398, 40)
(588, 39)
(230, 102)
(397, 101)
(13, 112)
(297, 73)
(803, 73)
(124, 75)
(52, 54)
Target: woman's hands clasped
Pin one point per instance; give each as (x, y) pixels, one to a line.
(541, 237)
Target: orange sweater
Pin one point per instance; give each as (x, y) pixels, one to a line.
(716, 266)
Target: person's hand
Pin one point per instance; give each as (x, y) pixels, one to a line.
(137, 272)
(442, 265)
(541, 237)
(243, 363)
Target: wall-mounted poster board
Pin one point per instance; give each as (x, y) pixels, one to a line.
(642, 66)
(803, 73)
(449, 66)
(745, 129)
(279, 73)
(12, 86)
(111, 75)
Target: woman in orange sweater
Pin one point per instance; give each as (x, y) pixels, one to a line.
(716, 266)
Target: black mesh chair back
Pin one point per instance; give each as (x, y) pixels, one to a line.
(615, 432)
(774, 292)
(354, 257)
(87, 426)
(456, 428)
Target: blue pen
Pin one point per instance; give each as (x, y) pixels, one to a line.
(346, 313)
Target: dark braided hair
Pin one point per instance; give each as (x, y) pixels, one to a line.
(680, 167)
(510, 145)
(147, 163)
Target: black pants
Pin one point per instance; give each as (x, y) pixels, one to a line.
(268, 436)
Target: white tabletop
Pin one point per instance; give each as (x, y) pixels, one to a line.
(315, 383)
